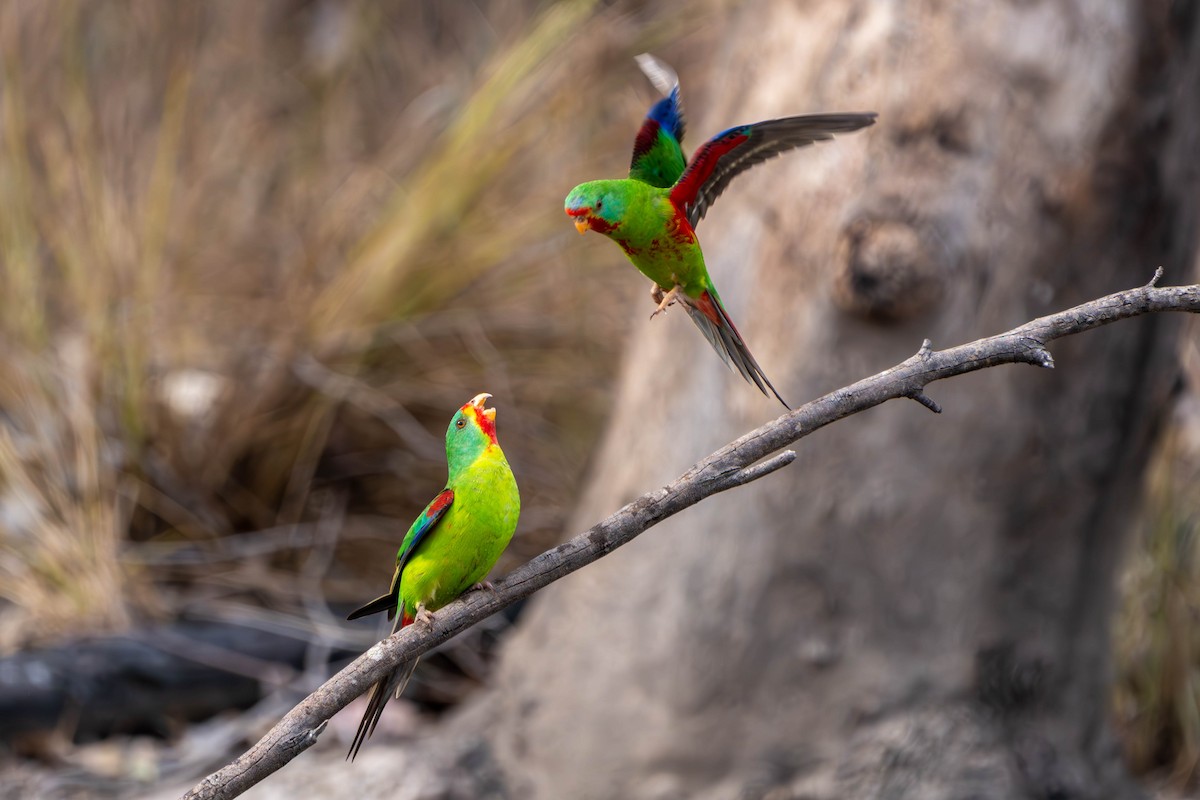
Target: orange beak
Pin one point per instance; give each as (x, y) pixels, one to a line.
(582, 226)
(477, 402)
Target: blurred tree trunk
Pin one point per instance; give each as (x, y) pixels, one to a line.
(919, 607)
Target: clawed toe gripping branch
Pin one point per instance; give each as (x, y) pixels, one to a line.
(733, 465)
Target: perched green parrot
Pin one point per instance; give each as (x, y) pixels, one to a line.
(653, 213)
(452, 545)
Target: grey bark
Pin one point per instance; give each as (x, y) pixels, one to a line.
(918, 607)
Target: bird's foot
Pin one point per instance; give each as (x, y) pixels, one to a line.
(484, 586)
(424, 616)
(665, 301)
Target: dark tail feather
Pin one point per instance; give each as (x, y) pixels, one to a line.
(712, 320)
(384, 690)
(385, 602)
(392, 686)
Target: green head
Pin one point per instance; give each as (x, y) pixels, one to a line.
(471, 432)
(598, 206)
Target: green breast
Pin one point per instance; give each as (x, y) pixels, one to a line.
(469, 539)
(654, 240)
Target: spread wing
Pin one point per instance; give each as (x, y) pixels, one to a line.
(734, 151)
(657, 156)
(421, 528)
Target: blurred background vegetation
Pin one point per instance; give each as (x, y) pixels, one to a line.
(254, 254)
(1157, 633)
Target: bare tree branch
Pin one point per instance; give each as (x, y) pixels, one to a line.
(732, 465)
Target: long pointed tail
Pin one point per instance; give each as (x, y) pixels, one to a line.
(713, 321)
(391, 686)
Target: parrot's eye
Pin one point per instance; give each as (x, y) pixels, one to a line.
(599, 204)
(462, 423)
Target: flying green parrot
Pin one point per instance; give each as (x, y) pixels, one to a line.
(452, 545)
(653, 213)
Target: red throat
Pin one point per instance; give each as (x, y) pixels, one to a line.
(601, 225)
(485, 420)
(487, 424)
(598, 224)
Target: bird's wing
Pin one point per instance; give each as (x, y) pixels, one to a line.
(713, 321)
(736, 150)
(421, 528)
(657, 156)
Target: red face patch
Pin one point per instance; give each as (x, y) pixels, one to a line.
(598, 224)
(486, 424)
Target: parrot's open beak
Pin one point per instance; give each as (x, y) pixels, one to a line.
(581, 225)
(478, 403)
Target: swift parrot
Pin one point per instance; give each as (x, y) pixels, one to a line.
(452, 544)
(653, 213)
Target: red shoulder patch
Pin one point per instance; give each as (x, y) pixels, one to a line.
(705, 162)
(440, 503)
(679, 228)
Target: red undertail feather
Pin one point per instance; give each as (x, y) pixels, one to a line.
(708, 307)
(712, 320)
